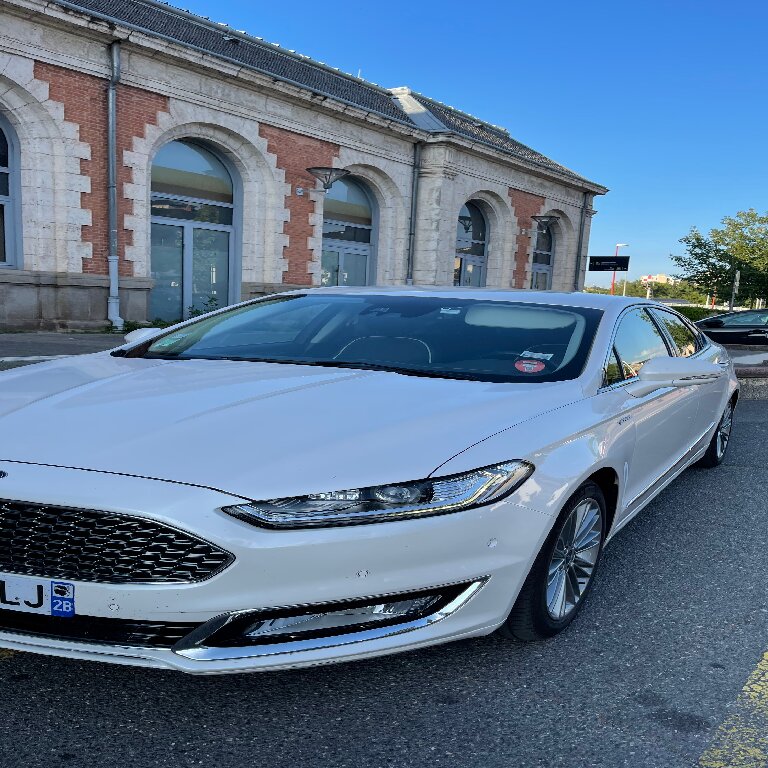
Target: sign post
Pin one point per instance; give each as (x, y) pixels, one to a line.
(735, 290)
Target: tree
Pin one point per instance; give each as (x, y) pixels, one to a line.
(680, 290)
(745, 237)
(705, 264)
(711, 262)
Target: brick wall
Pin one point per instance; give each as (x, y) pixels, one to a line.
(525, 206)
(84, 98)
(296, 153)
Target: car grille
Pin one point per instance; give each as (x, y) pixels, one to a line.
(86, 545)
(92, 629)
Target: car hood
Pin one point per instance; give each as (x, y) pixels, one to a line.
(257, 430)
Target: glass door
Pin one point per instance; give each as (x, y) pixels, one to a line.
(190, 264)
(344, 265)
(469, 271)
(166, 300)
(210, 269)
(540, 278)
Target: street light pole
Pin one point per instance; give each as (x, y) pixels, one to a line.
(613, 278)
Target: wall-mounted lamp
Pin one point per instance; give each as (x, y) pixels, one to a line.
(545, 221)
(466, 222)
(328, 176)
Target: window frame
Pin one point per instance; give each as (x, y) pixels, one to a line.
(612, 346)
(235, 229)
(538, 267)
(370, 248)
(726, 324)
(14, 253)
(697, 335)
(467, 258)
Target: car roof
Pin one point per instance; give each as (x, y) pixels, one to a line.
(567, 298)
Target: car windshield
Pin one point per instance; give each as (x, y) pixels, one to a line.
(417, 335)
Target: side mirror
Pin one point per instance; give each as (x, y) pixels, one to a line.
(662, 372)
(142, 334)
(712, 323)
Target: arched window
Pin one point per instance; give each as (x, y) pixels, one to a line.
(10, 226)
(193, 216)
(348, 225)
(471, 252)
(543, 258)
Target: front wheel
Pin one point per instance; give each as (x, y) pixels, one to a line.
(720, 440)
(563, 571)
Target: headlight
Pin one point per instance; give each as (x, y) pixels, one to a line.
(378, 504)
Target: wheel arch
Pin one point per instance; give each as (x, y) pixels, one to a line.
(607, 480)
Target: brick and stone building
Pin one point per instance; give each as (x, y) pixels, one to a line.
(157, 158)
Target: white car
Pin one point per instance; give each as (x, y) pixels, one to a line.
(336, 474)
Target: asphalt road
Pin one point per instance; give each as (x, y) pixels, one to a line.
(677, 621)
(14, 347)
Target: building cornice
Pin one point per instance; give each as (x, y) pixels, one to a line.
(69, 17)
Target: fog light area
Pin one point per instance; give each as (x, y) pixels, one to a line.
(341, 619)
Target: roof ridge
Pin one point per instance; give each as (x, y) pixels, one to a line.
(538, 158)
(168, 7)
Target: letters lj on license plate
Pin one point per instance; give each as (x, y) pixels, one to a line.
(32, 595)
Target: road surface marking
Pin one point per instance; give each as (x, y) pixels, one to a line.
(742, 740)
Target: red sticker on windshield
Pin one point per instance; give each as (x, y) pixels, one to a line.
(529, 366)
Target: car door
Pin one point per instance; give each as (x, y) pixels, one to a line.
(750, 327)
(687, 342)
(664, 420)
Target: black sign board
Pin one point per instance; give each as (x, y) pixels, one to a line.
(609, 263)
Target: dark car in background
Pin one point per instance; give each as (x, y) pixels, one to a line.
(745, 327)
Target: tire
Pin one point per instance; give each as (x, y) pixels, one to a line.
(721, 439)
(534, 616)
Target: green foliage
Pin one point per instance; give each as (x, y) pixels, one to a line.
(682, 290)
(705, 264)
(741, 244)
(745, 237)
(209, 305)
(697, 313)
(129, 326)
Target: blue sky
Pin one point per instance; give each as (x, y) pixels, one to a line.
(662, 102)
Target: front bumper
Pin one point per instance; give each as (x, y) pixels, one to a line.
(488, 551)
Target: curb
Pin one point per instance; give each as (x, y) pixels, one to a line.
(752, 371)
(753, 388)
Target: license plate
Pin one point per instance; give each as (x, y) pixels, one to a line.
(32, 595)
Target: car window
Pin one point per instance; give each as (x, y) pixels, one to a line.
(684, 338)
(745, 318)
(612, 370)
(637, 341)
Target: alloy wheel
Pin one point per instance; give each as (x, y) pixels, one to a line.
(573, 561)
(724, 431)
